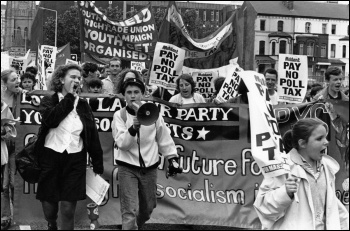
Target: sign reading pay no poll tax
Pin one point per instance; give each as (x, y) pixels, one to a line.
(167, 65)
(292, 78)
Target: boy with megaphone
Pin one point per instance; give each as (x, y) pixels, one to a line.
(140, 134)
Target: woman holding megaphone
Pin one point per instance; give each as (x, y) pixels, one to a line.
(137, 156)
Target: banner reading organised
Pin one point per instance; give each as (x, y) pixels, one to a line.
(267, 147)
(166, 66)
(212, 51)
(292, 78)
(220, 178)
(133, 39)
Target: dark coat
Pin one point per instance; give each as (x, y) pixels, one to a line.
(53, 112)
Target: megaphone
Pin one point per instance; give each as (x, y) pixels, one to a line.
(147, 113)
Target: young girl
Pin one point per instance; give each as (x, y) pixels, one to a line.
(28, 81)
(306, 200)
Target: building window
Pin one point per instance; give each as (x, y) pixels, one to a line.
(204, 15)
(324, 28)
(332, 50)
(273, 48)
(132, 8)
(283, 47)
(324, 50)
(344, 51)
(301, 49)
(197, 13)
(334, 29)
(217, 16)
(261, 47)
(308, 27)
(310, 49)
(25, 32)
(280, 26)
(262, 25)
(212, 16)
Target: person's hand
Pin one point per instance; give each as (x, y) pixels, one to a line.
(217, 102)
(291, 186)
(74, 88)
(173, 168)
(136, 124)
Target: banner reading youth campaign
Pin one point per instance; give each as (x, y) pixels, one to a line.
(212, 51)
(220, 179)
(166, 66)
(132, 39)
(292, 78)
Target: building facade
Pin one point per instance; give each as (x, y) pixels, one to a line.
(18, 24)
(318, 30)
(3, 11)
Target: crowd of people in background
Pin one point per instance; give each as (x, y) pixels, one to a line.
(111, 79)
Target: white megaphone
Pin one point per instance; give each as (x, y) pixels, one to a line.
(147, 113)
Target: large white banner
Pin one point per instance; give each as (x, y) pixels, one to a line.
(266, 139)
(167, 65)
(292, 78)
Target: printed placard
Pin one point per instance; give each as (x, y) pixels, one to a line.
(167, 65)
(229, 88)
(138, 66)
(292, 78)
(205, 83)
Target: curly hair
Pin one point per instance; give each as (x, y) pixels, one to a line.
(32, 69)
(121, 77)
(59, 74)
(89, 67)
(188, 78)
(27, 75)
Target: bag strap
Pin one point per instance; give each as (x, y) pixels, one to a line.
(123, 114)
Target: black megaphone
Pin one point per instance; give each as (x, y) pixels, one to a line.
(147, 113)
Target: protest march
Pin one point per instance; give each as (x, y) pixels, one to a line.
(153, 125)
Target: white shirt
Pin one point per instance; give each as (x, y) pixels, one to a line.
(274, 99)
(67, 135)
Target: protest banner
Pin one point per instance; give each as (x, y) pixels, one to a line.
(267, 147)
(292, 78)
(220, 178)
(229, 88)
(166, 66)
(138, 66)
(133, 39)
(31, 59)
(71, 61)
(63, 53)
(213, 51)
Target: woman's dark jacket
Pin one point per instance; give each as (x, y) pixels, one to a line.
(53, 112)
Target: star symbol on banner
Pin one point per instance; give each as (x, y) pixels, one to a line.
(202, 133)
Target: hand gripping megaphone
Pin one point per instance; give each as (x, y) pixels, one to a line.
(147, 113)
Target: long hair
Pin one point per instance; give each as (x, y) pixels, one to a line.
(5, 75)
(121, 77)
(59, 74)
(302, 130)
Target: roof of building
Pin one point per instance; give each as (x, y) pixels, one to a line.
(303, 9)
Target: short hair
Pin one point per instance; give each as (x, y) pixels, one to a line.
(5, 74)
(89, 67)
(121, 77)
(144, 71)
(15, 65)
(218, 84)
(61, 72)
(272, 72)
(314, 90)
(32, 69)
(133, 82)
(95, 83)
(188, 78)
(28, 75)
(114, 59)
(332, 71)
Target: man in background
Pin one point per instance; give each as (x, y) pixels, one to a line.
(271, 77)
(90, 72)
(110, 83)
